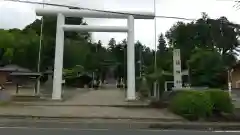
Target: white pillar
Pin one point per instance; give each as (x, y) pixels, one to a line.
(177, 69)
(131, 95)
(58, 64)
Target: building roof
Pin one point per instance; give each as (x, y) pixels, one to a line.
(25, 74)
(14, 68)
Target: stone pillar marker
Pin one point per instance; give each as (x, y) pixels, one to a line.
(177, 69)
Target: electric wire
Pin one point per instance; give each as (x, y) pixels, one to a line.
(97, 10)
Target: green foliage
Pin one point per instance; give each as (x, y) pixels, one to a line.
(8, 55)
(69, 73)
(198, 40)
(214, 39)
(138, 83)
(162, 46)
(159, 76)
(4, 103)
(19, 46)
(221, 101)
(75, 53)
(73, 72)
(6, 39)
(144, 88)
(203, 73)
(192, 105)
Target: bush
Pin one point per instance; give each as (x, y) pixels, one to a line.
(191, 105)
(221, 101)
(138, 82)
(144, 88)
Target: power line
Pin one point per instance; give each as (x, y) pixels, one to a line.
(237, 4)
(115, 12)
(97, 10)
(76, 7)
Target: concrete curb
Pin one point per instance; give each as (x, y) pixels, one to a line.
(9, 116)
(84, 105)
(118, 124)
(196, 125)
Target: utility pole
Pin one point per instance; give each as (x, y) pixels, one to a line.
(39, 54)
(155, 43)
(140, 61)
(230, 81)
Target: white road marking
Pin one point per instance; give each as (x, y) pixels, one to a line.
(86, 129)
(227, 131)
(37, 128)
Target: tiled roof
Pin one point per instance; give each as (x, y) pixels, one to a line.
(14, 68)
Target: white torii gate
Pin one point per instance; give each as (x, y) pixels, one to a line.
(61, 27)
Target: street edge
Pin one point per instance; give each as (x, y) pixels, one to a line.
(143, 123)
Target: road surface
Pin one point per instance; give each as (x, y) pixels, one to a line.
(46, 127)
(69, 131)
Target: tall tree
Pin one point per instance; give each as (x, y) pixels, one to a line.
(203, 73)
(205, 33)
(111, 44)
(49, 33)
(164, 54)
(215, 39)
(162, 46)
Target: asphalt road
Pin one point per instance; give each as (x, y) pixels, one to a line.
(46, 127)
(51, 131)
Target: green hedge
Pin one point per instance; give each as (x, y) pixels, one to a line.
(193, 104)
(144, 88)
(221, 101)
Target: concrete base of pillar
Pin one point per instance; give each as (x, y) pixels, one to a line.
(130, 100)
(57, 100)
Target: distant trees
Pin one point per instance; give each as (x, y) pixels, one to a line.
(208, 46)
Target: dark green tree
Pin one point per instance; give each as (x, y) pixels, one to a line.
(203, 73)
(217, 36)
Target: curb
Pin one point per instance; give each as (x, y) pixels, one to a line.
(119, 124)
(9, 116)
(84, 105)
(196, 126)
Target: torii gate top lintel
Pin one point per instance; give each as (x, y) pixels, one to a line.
(93, 14)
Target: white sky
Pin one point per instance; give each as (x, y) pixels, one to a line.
(18, 15)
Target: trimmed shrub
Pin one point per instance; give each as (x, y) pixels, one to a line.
(144, 89)
(221, 101)
(138, 83)
(191, 105)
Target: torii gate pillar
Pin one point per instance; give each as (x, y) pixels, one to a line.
(58, 63)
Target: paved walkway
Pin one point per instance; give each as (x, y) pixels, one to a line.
(88, 112)
(88, 103)
(89, 97)
(101, 97)
(236, 98)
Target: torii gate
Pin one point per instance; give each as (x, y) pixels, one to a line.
(61, 27)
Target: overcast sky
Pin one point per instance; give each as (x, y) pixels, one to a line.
(18, 15)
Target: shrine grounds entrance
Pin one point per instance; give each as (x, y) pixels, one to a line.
(61, 27)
